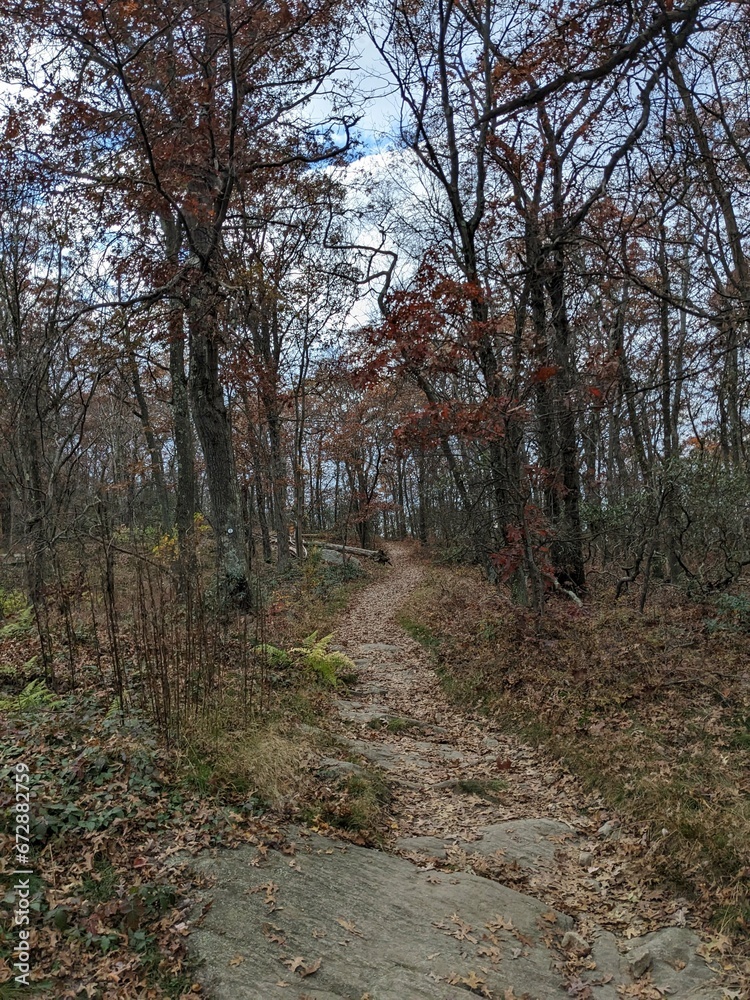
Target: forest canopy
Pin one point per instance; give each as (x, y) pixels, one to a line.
(472, 272)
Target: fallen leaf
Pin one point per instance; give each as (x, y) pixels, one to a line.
(462, 931)
(720, 944)
(273, 934)
(348, 926)
(237, 960)
(311, 969)
(490, 951)
(473, 981)
(500, 924)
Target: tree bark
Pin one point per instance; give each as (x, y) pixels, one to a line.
(214, 433)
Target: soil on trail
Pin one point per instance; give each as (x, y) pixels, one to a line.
(503, 878)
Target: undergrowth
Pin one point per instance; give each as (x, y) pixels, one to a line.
(356, 807)
(111, 801)
(652, 710)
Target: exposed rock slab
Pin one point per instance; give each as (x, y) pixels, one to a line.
(384, 756)
(609, 968)
(338, 558)
(527, 842)
(359, 712)
(380, 647)
(670, 956)
(389, 944)
(338, 770)
(374, 688)
(444, 751)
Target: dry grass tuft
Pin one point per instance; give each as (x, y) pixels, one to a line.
(258, 762)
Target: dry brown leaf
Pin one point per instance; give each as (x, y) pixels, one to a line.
(473, 981)
(462, 930)
(311, 969)
(720, 944)
(273, 934)
(500, 924)
(349, 926)
(490, 951)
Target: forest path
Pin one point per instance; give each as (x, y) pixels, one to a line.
(502, 878)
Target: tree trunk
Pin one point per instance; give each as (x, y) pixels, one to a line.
(153, 446)
(214, 433)
(279, 478)
(186, 500)
(570, 544)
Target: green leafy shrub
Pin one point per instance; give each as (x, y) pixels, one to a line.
(276, 657)
(21, 623)
(12, 602)
(326, 664)
(35, 695)
(733, 614)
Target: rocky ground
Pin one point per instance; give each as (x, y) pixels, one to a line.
(501, 878)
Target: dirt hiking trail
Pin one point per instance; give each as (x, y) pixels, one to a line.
(502, 878)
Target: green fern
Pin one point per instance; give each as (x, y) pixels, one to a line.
(12, 602)
(325, 663)
(35, 695)
(20, 625)
(276, 657)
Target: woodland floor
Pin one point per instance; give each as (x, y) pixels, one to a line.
(386, 840)
(458, 798)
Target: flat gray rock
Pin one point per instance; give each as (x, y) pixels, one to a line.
(377, 923)
(336, 770)
(338, 558)
(431, 847)
(523, 841)
(445, 751)
(371, 687)
(353, 711)
(363, 922)
(384, 756)
(671, 958)
(527, 842)
(609, 962)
